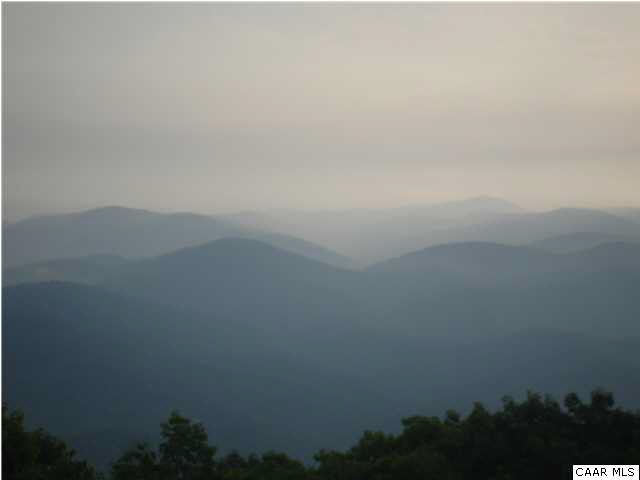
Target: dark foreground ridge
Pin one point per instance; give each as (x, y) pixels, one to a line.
(533, 439)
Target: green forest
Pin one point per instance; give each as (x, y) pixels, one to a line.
(535, 438)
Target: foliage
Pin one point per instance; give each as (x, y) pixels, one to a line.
(532, 439)
(37, 455)
(184, 453)
(535, 438)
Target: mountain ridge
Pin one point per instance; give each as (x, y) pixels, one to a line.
(131, 233)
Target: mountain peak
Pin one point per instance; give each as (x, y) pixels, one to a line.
(114, 211)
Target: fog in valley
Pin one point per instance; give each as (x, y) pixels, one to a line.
(295, 223)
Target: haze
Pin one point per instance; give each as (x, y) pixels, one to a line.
(216, 108)
(319, 241)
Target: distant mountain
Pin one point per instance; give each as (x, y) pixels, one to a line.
(538, 226)
(477, 261)
(483, 262)
(482, 289)
(304, 248)
(265, 345)
(629, 213)
(130, 233)
(574, 242)
(369, 235)
(90, 269)
(241, 277)
(521, 229)
(487, 290)
(471, 207)
(607, 256)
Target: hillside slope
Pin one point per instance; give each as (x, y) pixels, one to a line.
(131, 233)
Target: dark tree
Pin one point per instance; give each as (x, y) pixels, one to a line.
(185, 452)
(37, 455)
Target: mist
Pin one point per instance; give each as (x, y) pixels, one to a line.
(319, 241)
(218, 108)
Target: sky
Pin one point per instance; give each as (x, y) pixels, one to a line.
(216, 108)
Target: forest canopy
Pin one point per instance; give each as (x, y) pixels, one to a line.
(531, 439)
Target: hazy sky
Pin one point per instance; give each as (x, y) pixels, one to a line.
(222, 107)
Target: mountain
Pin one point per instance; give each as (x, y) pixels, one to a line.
(246, 279)
(481, 289)
(538, 226)
(371, 236)
(90, 269)
(484, 262)
(101, 366)
(264, 345)
(607, 256)
(522, 229)
(574, 242)
(470, 207)
(477, 207)
(304, 248)
(411, 228)
(629, 213)
(368, 236)
(474, 261)
(94, 269)
(130, 233)
(486, 290)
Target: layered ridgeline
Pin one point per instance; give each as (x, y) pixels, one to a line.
(130, 233)
(81, 246)
(575, 242)
(265, 346)
(88, 269)
(369, 236)
(373, 234)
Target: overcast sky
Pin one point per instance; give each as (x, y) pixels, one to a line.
(223, 107)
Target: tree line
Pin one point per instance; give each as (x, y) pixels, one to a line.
(531, 439)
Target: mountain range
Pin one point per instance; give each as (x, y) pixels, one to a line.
(264, 343)
(131, 233)
(369, 236)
